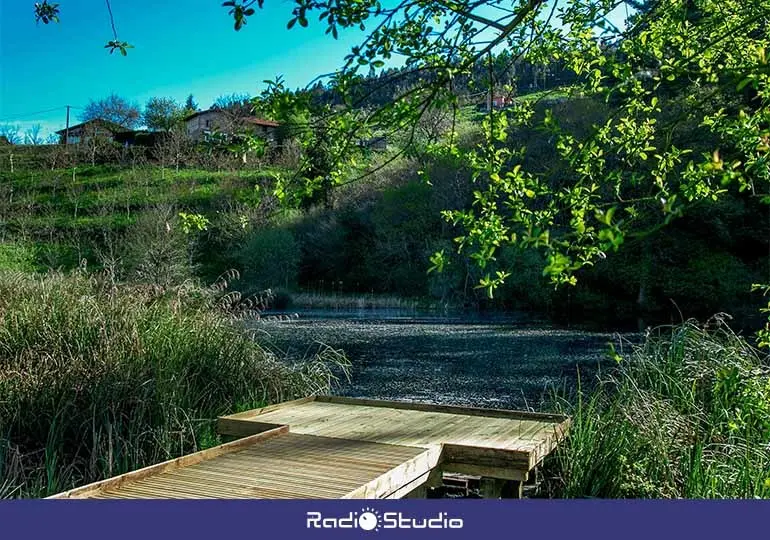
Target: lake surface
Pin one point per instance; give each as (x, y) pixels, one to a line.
(499, 362)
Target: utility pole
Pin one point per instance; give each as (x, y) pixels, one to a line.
(67, 129)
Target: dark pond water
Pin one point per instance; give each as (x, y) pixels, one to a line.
(498, 362)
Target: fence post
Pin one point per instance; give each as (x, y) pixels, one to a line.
(11, 162)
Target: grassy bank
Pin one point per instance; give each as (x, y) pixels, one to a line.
(685, 415)
(97, 380)
(361, 301)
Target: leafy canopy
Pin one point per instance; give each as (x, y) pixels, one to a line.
(113, 108)
(163, 114)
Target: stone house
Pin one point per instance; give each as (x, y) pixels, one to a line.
(203, 124)
(97, 128)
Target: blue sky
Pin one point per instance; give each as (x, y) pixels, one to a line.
(178, 52)
(181, 47)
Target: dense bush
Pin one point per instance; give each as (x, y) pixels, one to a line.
(155, 250)
(270, 258)
(17, 256)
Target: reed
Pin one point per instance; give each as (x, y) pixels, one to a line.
(684, 414)
(98, 379)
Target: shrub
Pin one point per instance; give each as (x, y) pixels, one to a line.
(17, 256)
(156, 249)
(270, 258)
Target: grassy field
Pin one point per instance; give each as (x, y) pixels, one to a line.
(59, 218)
(94, 197)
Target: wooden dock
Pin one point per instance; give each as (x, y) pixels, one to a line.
(333, 447)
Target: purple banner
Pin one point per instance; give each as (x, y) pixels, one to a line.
(477, 519)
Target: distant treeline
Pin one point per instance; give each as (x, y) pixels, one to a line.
(505, 73)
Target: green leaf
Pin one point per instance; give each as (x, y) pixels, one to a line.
(745, 82)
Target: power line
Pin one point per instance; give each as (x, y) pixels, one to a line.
(25, 116)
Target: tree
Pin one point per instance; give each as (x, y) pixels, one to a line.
(634, 172)
(114, 109)
(236, 104)
(162, 114)
(33, 135)
(190, 105)
(11, 134)
(173, 147)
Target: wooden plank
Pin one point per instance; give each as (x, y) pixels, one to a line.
(216, 477)
(335, 422)
(221, 486)
(303, 415)
(329, 466)
(475, 431)
(299, 444)
(400, 476)
(418, 428)
(416, 489)
(184, 461)
(447, 431)
(452, 409)
(235, 480)
(262, 410)
(488, 457)
(501, 473)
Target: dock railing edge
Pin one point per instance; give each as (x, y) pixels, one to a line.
(172, 464)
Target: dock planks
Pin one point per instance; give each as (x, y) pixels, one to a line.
(285, 466)
(408, 424)
(332, 447)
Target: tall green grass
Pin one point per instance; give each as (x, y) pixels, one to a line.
(98, 379)
(685, 415)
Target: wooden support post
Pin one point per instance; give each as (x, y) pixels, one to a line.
(495, 488)
(512, 490)
(490, 488)
(532, 480)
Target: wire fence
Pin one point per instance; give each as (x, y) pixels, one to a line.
(172, 154)
(21, 158)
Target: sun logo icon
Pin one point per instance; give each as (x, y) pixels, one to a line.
(369, 520)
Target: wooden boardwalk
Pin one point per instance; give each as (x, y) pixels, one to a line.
(333, 447)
